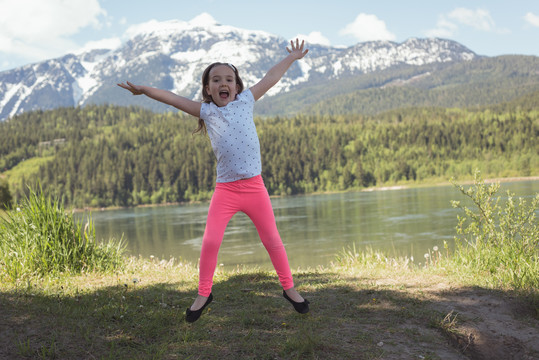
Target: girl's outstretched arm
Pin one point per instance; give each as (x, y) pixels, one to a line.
(276, 73)
(184, 104)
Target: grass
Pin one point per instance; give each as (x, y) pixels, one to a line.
(38, 237)
(138, 314)
(384, 310)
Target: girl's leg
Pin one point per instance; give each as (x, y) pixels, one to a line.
(222, 208)
(257, 205)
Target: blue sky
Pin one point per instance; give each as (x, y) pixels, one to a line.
(35, 30)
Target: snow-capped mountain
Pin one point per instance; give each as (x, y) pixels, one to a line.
(173, 55)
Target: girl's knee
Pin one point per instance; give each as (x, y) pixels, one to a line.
(273, 243)
(210, 245)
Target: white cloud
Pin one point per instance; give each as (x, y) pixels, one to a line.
(367, 27)
(479, 18)
(155, 26)
(444, 29)
(36, 29)
(110, 44)
(532, 19)
(203, 19)
(315, 37)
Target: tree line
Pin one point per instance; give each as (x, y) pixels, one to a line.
(102, 156)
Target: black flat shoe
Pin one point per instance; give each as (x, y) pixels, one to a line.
(301, 307)
(193, 315)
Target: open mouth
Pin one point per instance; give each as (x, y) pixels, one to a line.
(223, 94)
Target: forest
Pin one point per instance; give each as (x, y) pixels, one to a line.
(104, 156)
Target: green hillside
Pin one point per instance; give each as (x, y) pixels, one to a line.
(484, 81)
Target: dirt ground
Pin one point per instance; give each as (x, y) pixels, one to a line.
(491, 327)
(481, 323)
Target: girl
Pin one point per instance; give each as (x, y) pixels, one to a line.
(226, 114)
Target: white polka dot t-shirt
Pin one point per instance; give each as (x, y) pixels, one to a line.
(233, 137)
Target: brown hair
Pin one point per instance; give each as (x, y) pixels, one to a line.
(206, 98)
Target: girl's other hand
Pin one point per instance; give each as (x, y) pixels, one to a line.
(135, 89)
(297, 49)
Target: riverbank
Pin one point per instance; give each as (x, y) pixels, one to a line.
(399, 186)
(363, 306)
(447, 183)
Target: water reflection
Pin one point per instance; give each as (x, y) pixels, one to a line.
(314, 228)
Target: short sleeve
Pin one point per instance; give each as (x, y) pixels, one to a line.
(248, 96)
(204, 111)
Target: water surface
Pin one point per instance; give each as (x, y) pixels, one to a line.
(314, 228)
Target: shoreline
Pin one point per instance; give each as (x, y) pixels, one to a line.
(369, 189)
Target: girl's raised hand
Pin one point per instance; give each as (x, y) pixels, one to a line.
(297, 49)
(135, 90)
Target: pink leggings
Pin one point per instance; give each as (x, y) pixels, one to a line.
(251, 197)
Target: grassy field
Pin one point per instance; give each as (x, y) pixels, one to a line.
(26, 169)
(364, 306)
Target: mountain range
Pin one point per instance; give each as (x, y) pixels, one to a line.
(173, 54)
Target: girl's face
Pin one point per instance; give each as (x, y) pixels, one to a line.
(222, 86)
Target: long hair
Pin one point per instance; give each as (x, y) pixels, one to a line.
(206, 98)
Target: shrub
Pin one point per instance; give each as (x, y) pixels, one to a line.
(498, 241)
(38, 237)
(5, 195)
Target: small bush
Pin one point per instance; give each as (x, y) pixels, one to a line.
(38, 238)
(5, 195)
(498, 241)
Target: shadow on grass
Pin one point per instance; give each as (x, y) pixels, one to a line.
(350, 318)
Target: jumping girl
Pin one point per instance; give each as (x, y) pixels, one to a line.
(226, 114)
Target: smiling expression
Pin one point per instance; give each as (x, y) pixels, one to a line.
(222, 86)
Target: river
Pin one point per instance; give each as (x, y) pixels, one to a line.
(314, 228)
